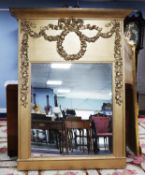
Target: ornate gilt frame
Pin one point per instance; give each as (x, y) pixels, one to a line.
(71, 20)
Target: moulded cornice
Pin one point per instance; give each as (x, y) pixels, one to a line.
(45, 13)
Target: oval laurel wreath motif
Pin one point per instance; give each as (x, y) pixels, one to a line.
(63, 53)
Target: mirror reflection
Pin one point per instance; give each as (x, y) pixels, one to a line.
(71, 109)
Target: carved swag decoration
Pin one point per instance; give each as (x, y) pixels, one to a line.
(66, 26)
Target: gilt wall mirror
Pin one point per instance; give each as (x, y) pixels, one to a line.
(71, 88)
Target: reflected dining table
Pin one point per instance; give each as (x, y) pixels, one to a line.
(69, 133)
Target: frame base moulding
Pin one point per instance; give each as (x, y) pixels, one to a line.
(34, 164)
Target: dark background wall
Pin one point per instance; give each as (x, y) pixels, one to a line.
(83, 4)
(9, 33)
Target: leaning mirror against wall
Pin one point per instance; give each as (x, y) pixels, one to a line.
(71, 109)
(63, 107)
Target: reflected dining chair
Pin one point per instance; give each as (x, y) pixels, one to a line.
(78, 134)
(38, 134)
(102, 127)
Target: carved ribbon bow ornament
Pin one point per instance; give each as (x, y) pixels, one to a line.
(69, 25)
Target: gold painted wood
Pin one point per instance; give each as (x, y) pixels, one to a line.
(67, 26)
(43, 13)
(117, 160)
(35, 164)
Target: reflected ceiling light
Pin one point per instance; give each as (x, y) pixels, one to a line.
(63, 90)
(61, 65)
(89, 95)
(54, 82)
